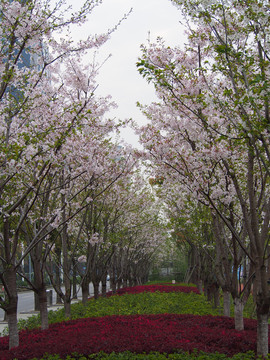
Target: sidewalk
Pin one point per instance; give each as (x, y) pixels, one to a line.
(27, 314)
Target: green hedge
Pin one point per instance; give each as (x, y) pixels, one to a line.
(130, 304)
(157, 356)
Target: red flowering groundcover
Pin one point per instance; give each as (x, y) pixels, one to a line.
(136, 333)
(154, 288)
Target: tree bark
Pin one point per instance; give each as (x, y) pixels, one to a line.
(119, 284)
(104, 285)
(216, 297)
(12, 327)
(113, 285)
(11, 309)
(226, 303)
(200, 286)
(85, 290)
(67, 306)
(40, 287)
(262, 334)
(96, 289)
(42, 297)
(74, 280)
(238, 314)
(36, 302)
(58, 281)
(66, 262)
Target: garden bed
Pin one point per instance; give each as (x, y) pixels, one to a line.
(136, 333)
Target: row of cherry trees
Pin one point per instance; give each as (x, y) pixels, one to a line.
(208, 141)
(68, 193)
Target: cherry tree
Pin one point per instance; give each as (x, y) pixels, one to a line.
(142, 235)
(89, 228)
(41, 107)
(109, 223)
(81, 156)
(215, 258)
(210, 127)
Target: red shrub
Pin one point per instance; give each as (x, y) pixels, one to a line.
(154, 288)
(138, 333)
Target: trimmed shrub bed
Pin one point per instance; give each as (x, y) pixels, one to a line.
(143, 322)
(136, 333)
(154, 288)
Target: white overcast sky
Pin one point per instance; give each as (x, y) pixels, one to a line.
(119, 76)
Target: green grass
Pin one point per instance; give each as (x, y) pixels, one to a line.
(128, 304)
(142, 303)
(157, 356)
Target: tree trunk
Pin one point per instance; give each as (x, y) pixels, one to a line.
(67, 306)
(216, 297)
(85, 290)
(12, 326)
(66, 263)
(262, 334)
(96, 289)
(208, 292)
(200, 286)
(226, 303)
(42, 296)
(104, 287)
(36, 300)
(119, 283)
(238, 314)
(113, 285)
(58, 281)
(11, 309)
(40, 287)
(74, 280)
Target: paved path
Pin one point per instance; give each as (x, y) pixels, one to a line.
(26, 306)
(27, 314)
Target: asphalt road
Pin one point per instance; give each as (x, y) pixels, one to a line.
(26, 301)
